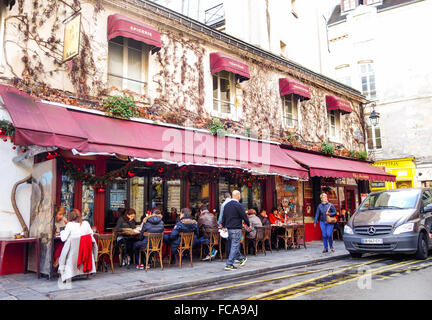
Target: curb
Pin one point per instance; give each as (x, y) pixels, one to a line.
(209, 281)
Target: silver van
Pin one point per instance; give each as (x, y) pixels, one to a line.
(392, 221)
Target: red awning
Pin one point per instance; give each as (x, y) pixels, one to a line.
(290, 86)
(322, 166)
(43, 124)
(335, 103)
(220, 61)
(119, 25)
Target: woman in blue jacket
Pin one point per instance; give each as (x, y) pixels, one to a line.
(325, 208)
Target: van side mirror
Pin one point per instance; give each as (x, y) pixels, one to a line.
(428, 208)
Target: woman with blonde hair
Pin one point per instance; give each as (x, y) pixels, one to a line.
(325, 209)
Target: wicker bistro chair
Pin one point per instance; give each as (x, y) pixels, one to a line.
(267, 236)
(260, 238)
(214, 241)
(186, 242)
(287, 237)
(300, 236)
(105, 247)
(154, 245)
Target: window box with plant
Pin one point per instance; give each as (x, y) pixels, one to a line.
(216, 127)
(122, 107)
(327, 147)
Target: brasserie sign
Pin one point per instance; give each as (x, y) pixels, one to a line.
(72, 37)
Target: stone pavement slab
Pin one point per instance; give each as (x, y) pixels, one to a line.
(129, 282)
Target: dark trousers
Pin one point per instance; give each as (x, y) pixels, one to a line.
(128, 243)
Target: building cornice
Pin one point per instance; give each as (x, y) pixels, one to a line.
(194, 25)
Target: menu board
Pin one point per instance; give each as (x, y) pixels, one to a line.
(223, 188)
(137, 189)
(67, 193)
(118, 195)
(88, 195)
(174, 194)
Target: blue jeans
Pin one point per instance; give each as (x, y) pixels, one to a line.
(235, 236)
(327, 234)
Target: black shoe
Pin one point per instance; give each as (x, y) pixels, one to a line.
(230, 267)
(325, 251)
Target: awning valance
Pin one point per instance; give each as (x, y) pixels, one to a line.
(220, 62)
(43, 124)
(323, 166)
(290, 86)
(338, 104)
(119, 25)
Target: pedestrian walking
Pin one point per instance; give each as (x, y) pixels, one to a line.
(227, 198)
(325, 209)
(232, 220)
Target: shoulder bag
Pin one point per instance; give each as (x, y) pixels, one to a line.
(330, 219)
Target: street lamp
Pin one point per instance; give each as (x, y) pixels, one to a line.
(374, 118)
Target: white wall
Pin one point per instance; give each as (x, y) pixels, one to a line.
(396, 41)
(10, 174)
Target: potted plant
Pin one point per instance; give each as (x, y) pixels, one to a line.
(216, 127)
(327, 147)
(120, 106)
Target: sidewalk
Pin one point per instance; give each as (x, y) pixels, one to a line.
(128, 283)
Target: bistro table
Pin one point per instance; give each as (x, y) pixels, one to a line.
(36, 241)
(294, 226)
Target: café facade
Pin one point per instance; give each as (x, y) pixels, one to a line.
(64, 149)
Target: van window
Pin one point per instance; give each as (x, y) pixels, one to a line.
(404, 199)
(427, 198)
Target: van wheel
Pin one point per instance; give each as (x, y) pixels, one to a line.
(355, 254)
(422, 247)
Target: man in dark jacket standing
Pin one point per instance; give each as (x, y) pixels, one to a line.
(233, 217)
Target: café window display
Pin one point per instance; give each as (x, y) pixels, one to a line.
(251, 193)
(199, 194)
(88, 195)
(137, 188)
(75, 193)
(343, 194)
(288, 197)
(67, 195)
(117, 202)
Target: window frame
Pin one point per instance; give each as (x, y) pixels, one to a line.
(145, 54)
(232, 83)
(373, 139)
(294, 102)
(343, 73)
(351, 3)
(367, 75)
(337, 126)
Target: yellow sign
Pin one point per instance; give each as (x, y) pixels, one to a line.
(403, 169)
(72, 38)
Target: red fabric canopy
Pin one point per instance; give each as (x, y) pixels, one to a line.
(335, 103)
(290, 86)
(322, 166)
(43, 124)
(119, 25)
(220, 61)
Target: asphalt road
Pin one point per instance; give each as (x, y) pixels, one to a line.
(373, 277)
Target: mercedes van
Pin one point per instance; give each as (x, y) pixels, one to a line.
(392, 221)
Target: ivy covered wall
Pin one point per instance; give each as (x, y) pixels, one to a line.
(180, 88)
